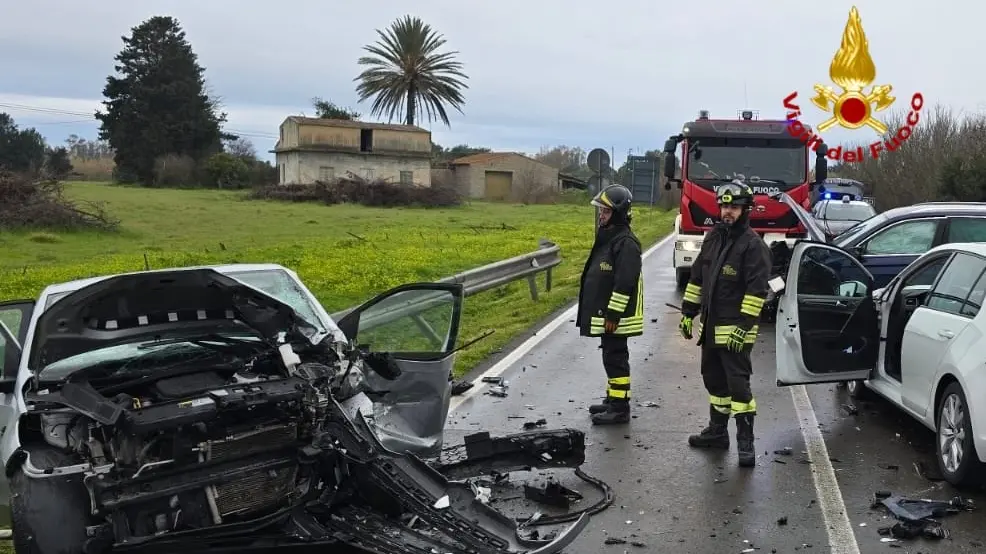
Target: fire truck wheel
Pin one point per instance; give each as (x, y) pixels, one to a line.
(681, 277)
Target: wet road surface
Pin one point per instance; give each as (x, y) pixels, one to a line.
(671, 498)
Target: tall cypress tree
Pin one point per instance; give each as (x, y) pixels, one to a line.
(157, 103)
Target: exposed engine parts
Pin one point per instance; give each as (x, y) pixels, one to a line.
(220, 446)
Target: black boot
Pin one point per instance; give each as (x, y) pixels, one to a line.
(716, 435)
(601, 407)
(617, 411)
(744, 440)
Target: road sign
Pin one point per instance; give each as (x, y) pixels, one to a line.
(644, 177)
(597, 160)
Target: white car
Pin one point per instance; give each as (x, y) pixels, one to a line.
(918, 342)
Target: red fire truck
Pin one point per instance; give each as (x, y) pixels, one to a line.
(762, 153)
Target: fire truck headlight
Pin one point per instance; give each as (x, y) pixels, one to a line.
(688, 245)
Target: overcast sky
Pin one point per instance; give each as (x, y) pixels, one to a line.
(621, 74)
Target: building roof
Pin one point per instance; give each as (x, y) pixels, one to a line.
(489, 157)
(354, 124)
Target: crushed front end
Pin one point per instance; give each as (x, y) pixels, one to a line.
(229, 428)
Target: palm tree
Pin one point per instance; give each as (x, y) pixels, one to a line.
(406, 69)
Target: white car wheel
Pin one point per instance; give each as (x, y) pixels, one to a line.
(956, 453)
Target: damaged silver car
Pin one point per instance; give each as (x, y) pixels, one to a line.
(203, 409)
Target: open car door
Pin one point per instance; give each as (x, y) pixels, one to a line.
(415, 326)
(827, 325)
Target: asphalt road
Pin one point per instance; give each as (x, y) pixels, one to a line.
(671, 498)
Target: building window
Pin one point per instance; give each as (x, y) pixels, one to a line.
(407, 177)
(368, 173)
(326, 174)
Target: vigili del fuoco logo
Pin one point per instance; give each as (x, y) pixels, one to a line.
(853, 70)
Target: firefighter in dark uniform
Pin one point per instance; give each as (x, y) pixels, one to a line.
(611, 300)
(728, 288)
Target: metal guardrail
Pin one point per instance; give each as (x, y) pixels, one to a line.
(480, 279)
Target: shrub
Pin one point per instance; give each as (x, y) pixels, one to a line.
(30, 203)
(226, 171)
(172, 170)
(93, 169)
(354, 190)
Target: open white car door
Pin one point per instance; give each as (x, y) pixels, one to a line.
(827, 325)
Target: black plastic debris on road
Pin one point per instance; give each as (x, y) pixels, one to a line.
(919, 517)
(528, 425)
(552, 494)
(459, 387)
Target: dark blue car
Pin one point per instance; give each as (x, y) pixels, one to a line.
(887, 242)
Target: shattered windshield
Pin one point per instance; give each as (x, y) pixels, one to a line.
(779, 160)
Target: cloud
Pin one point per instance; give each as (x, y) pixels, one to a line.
(623, 74)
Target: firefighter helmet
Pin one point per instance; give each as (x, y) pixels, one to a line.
(736, 193)
(617, 198)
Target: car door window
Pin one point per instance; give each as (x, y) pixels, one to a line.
(974, 303)
(9, 351)
(926, 276)
(967, 229)
(956, 283)
(912, 237)
(830, 272)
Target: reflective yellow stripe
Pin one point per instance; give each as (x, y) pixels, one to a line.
(618, 302)
(693, 293)
(628, 325)
(722, 333)
(619, 382)
(751, 305)
(615, 393)
(744, 407)
(720, 403)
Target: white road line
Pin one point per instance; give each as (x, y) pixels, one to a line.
(842, 538)
(498, 368)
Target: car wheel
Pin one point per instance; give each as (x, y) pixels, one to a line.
(954, 445)
(857, 390)
(39, 506)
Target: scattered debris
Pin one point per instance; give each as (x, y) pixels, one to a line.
(782, 520)
(442, 503)
(614, 540)
(552, 494)
(786, 451)
(494, 380)
(650, 404)
(850, 409)
(891, 467)
(498, 391)
(528, 425)
(459, 387)
(918, 517)
(929, 473)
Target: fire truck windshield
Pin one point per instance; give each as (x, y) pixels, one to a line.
(724, 158)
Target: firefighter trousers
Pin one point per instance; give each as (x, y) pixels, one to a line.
(727, 379)
(616, 362)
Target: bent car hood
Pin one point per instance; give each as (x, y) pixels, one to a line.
(815, 232)
(130, 307)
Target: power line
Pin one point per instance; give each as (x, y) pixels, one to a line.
(92, 117)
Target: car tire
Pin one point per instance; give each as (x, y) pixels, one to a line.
(681, 277)
(48, 515)
(956, 429)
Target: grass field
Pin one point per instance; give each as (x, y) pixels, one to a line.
(346, 254)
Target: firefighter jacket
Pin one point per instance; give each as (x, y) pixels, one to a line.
(728, 284)
(612, 286)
